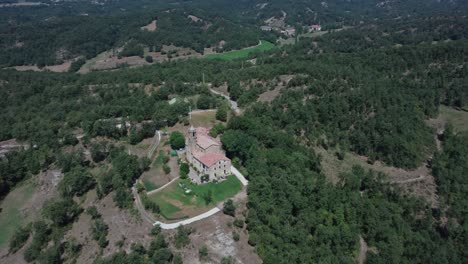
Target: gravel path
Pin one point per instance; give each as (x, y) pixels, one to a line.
(233, 104)
(188, 221)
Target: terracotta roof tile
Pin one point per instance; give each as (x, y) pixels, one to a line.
(210, 159)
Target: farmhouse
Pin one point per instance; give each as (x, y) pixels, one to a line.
(314, 28)
(206, 155)
(266, 28)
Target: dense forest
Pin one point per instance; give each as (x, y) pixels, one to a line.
(367, 90)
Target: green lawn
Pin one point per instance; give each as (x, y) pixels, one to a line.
(175, 203)
(10, 216)
(243, 53)
(458, 118)
(204, 119)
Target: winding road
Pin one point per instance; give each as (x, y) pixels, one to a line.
(233, 104)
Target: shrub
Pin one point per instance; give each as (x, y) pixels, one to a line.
(149, 59)
(221, 113)
(93, 212)
(203, 252)
(166, 169)
(235, 236)
(238, 222)
(229, 208)
(19, 238)
(182, 239)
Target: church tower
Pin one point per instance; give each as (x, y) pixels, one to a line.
(191, 141)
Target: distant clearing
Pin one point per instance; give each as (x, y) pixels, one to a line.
(418, 182)
(458, 118)
(243, 53)
(53, 68)
(205, 119)
(151, 26)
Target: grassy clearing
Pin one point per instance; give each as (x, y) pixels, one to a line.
(90, 63)
(175, 203)
(149, 186)
(204, 119)
(243, 53)
(159, 160)
(459, 119)
(10, 216)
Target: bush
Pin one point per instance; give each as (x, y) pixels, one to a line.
(19, 238)
(208, 197)
(149, 59)
(99, 231)
(229, 208)
(76, 65)
(217, 129)
(235, 236)
(238, 222)
(182, 238)
(156, 230)
(203, 252)
(93, 212)
(227, 260)
(166, 169)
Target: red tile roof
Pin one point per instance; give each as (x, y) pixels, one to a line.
(210, 159)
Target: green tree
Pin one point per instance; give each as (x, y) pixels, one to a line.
(221, 113)
(177, 140)
(184, 170)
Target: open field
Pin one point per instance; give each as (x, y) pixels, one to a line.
(243, 53)
(204, 119)
(418, 182)
(458, 118)
(176, 204)
(11, 216)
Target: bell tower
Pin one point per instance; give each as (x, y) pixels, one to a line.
(191, 139)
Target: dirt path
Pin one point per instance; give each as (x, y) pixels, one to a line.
(162, 187)
(141, 209)
(155, 144)
(420, 178)
(362, 251)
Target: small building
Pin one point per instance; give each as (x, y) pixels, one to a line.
(289, 31)
(314, 28)
(266, 28)
(206, 155)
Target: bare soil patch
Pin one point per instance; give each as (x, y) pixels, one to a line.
(110, 60)
(151, 26)
(53, 68)
(122, 226)
(194, 18)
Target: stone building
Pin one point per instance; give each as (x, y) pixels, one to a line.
(206, 155)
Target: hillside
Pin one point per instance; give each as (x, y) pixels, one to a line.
(353, 139)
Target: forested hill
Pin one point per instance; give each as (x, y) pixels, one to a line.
(367, 90)
(64, 30)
